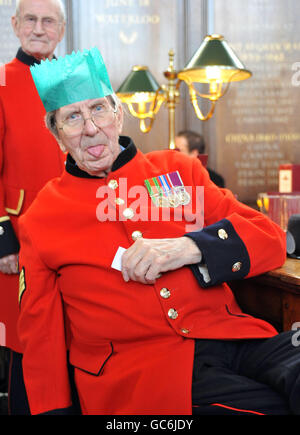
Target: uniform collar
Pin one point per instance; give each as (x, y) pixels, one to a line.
(26, 58)
(123, 158)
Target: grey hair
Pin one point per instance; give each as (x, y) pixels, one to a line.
(50, 118)
(59, 3)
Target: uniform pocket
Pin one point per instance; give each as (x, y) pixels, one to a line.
(90, 358)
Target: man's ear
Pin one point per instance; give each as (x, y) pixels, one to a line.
(62, 31)
(15, 25)
(61, 145)
(120, 119)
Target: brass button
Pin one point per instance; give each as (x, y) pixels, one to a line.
(1, 231)
(185, 331)
(222, 234)
(165, 293)
(119, 201)
(172, 313)
(113, 184)
(236, 267)
(136, 235)
(128, 213)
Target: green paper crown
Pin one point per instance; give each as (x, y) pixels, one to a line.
(75, 77)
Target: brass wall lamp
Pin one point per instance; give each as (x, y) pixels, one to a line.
(214, 64)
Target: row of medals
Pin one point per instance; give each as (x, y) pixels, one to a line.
(173, 198)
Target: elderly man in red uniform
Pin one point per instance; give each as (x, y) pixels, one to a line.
(123, 266)
(28, 155)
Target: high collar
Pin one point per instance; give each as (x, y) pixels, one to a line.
(27, 59)
(124, 157)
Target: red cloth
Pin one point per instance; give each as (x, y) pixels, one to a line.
(29, 157)
(130, 357)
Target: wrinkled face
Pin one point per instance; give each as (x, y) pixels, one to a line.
(95, 148)
(39, 27)
(181, 144)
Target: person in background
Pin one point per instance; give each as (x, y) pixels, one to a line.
(28, 159)
(192, 143)
(123, 265)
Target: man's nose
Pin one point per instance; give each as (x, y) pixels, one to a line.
(38, 28)
(90, 128)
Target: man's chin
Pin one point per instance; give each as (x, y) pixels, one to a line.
(94, 170)
(39, 50)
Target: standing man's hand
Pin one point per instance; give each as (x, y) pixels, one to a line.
(146, 259)
(9, 264)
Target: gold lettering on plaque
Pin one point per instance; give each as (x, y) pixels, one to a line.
(119, 3)
(128, 20)
(127, 36)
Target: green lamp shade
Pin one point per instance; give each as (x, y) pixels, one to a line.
(214, 53)
(140, 80)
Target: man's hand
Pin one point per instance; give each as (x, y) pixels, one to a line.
(9, 264)
(146, 259)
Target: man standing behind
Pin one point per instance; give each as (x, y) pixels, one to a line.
(192, 144)
(28, 156)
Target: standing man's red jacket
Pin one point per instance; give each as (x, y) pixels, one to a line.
(29, 157)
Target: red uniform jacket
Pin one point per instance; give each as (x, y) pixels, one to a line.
(29, 158)
(131, 354)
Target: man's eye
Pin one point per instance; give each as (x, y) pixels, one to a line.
(49, 22)
(99, 110)
(73, 117)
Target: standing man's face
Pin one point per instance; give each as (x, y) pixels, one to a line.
(39, 27)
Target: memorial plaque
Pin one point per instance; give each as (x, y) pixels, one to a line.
(256, 125)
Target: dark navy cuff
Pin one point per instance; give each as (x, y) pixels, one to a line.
(8, 241)
(223, 252)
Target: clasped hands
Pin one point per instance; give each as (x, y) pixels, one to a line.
(144, 261)
(147, 259)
